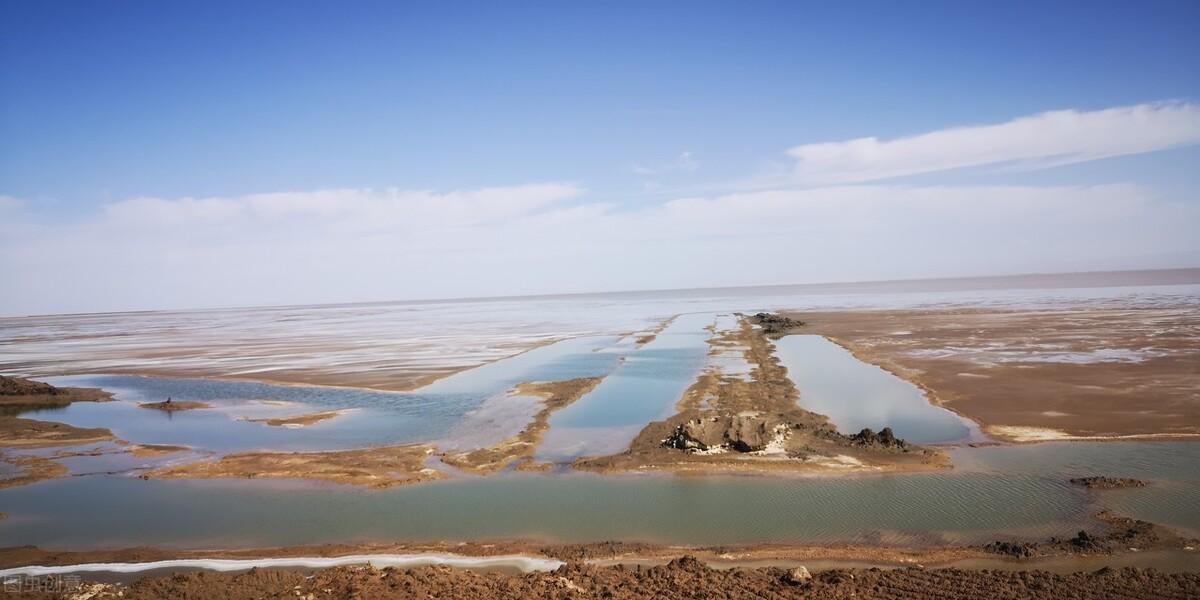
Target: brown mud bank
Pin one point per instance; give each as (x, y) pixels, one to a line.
(1119, 534)
(732, 423)
(1102, 482)
(18, 394)
(383, 467)
(684, 577)
(298, 420)
(635, 570)
(1040, 374)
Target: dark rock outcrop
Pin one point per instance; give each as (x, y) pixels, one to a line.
(1014, 549)
(884, 439)
(773, 324)
(740, 433)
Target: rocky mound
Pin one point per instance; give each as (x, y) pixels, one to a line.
(884, 439)
(774, 324)
(739, 433)
(19, 386)
(1108, 483)
(682, 578)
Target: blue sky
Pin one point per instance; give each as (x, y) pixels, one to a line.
(633, 105)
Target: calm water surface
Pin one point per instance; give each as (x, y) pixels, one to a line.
(856, 395)
(1002, 492)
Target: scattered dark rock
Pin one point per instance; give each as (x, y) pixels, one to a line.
(1108, 483)
(1086, 542)
(774, 324)
(1120, 533)
(884, 439)
(1015, 549)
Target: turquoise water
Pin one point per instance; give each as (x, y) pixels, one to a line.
(994, 492)
(644, 388)
(997, 493)
(375, 418)
(856, 395)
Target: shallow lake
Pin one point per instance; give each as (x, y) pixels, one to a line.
(996, 493)
(856, 395)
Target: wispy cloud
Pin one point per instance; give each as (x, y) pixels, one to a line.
(354, 245)
(377, 244)
(1045, 139)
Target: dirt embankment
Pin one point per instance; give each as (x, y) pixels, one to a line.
(520, 448)
(18, 394)
(374, 467)
(753, 424)
(299, 420)
(1121, 534)
(1084, 372)
(684, 577)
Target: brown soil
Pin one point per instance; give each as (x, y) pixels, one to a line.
(155, 450)
(33, 470)
(982, 363)
(18, 395)
(27, 433)
(374, 467)
(684, 577)
(175, 405)
(1107, 483)
(555, 395)
(1120, 534)
(301, 420)
(753, 424)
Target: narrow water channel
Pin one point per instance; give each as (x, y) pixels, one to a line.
(856, 395)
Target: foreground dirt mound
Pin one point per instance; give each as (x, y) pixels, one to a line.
(21, 393)
(17, 386)
(682, 578)
(1120, 533)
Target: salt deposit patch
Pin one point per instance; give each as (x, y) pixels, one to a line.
(524, 563)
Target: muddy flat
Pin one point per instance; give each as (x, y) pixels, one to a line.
(1040, 374)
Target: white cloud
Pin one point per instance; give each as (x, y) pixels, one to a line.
(1049, 138)
(346, 245)
(357, 245)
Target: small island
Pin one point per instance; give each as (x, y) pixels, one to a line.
(1101, 482)
(175, 405)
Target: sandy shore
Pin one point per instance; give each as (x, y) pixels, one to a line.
(1040, 375)
(384, 467)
